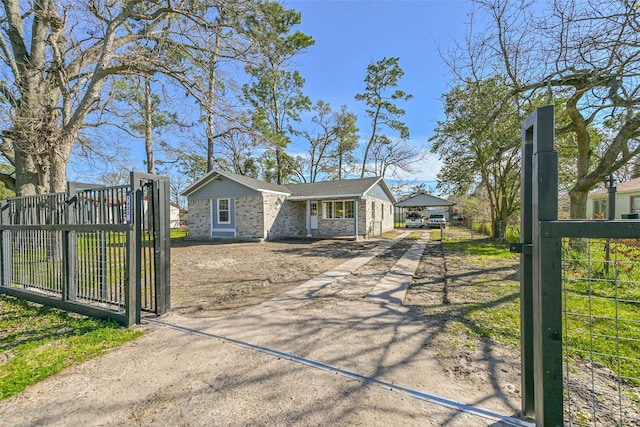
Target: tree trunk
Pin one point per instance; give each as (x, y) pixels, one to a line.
(279, 165)
(31, 174)
(58, 160)
(578, 207)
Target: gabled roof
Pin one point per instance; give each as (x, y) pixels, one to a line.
(424, 199)
(247, 181)
(306, 191)
(337, 189)
(633, 185)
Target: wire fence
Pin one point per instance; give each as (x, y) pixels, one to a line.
(601, 331)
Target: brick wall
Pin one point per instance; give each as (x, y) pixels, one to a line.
(199, 219)
(372, 222)
(249, 218)
(288, 219)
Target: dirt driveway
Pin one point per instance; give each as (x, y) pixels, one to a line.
(229, 355)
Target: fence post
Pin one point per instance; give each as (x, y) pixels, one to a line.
(546, 271)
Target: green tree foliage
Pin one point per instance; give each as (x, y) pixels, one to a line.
(142, 115)
(381, 97)
(478, 144)
(276, 91)
(334, 138)
(583, 53)
(212, 50)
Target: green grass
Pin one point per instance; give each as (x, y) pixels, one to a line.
(486, 302)
(602, 303)
(602, 300)
(483, 247)
(38, 341)
(179, 234)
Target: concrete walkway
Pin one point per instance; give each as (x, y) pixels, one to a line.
(393, 287)
(312, 287)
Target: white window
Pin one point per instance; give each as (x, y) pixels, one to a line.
(224, 213)
(373, 210)
(338, 209)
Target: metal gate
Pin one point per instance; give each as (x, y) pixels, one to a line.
(98, 251)
(580, 301)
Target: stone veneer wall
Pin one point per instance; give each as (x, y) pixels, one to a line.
(199, 219)
(335, 227)
(249, 217)
(344, 227)
(364, 227)
(286, 220)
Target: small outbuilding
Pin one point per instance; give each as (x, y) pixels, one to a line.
(422, 202)
(227, 205)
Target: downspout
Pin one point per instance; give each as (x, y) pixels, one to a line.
(355, 218)
(308, 218)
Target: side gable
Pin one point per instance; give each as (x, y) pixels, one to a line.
(242, 181)
(381, 191)
(423, 199)
(221, 187)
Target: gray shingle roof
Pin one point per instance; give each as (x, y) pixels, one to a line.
(318, 190)
(622, 187)
(328, 189)
(247, 181)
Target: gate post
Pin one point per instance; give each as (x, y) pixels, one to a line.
(541, 280)
(526, 275)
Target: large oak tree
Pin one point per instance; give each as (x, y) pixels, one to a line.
(55, 59)
(584, 54)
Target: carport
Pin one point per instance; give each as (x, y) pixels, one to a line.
(421, 201)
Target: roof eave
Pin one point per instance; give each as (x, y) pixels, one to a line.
(325, 197)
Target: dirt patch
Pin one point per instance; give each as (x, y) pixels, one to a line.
(218, 279)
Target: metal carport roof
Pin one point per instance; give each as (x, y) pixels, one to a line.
(423, 200)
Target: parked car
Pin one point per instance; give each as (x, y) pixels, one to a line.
(414, 219)
(437, 220)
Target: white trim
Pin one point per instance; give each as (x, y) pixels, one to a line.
(228, 210)
(324, 197)
(262, 190)
(309, 218)
(355, 218)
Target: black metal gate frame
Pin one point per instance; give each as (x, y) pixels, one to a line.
(541, 268)
(156, 189)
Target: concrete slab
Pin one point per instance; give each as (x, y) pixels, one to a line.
(393, 287)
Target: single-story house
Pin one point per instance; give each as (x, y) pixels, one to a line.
(627, 200)
(224, 204)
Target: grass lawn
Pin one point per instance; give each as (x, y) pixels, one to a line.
(37, 342)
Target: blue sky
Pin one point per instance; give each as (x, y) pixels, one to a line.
(353, 33)
(349, 35)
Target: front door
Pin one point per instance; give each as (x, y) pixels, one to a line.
(314, 215)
